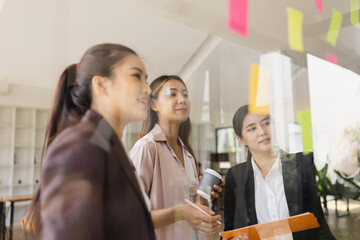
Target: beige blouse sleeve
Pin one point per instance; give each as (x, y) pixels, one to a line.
(143, 156)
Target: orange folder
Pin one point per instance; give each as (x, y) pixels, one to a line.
(271, 229)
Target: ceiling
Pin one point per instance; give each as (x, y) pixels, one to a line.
(39, 38)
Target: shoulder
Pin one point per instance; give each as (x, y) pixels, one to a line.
(238, 170)
(308, 158)
(239, 167)
(300, 158)
(305, 161)
(146, 143)
(74, 144)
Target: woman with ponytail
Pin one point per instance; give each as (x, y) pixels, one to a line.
(89, 189)
(63, 114)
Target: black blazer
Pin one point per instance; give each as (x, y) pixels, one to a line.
(300, 189)
(89, 188)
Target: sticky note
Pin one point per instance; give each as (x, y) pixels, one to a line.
(318, 4)
(335, 26)
(263, 88)
(355, 13)
(253, 91)
(295, 36)
(331, 58)
(304, 118)
(238, 16)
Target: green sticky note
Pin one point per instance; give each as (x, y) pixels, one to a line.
(295, 33)
(335, 26)
(355, 13)
(304, 118)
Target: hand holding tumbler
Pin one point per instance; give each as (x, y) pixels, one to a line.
(206, 186)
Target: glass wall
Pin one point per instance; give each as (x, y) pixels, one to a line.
(295, 146)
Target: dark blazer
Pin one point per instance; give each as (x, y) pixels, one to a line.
(300, 189)
(89, 188)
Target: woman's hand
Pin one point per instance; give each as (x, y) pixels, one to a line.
(199, 221)
(218, 190)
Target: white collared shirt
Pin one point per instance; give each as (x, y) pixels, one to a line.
(270, 199)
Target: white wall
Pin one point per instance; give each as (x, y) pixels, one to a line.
(39, 38)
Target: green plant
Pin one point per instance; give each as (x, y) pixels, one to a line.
(323, 184)
(351, 190)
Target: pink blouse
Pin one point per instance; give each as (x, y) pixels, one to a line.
(164, 178)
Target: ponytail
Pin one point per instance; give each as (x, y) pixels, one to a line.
(62, 113)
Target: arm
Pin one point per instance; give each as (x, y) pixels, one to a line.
(142, 156)
(229, 201)
(72, 192)
(167, 216)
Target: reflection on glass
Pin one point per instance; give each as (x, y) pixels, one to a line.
(281, 97)
(335, 117)
(205, 113)
(225, 140)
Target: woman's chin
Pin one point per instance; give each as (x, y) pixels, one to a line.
(265, 149)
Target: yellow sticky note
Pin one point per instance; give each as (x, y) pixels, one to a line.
(295, 32)
(355, 13)
(253, 90)
(304, 118)
(335, 26)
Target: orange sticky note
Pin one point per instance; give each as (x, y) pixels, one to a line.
(272, 229)
(334, 28)
(295, 35)
(331, 58)
(318, 4)
(238, 16)
(304, 118)
(253, 90)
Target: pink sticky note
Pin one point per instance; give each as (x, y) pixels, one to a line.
(318, 4)
(331, 58)
(238, 14)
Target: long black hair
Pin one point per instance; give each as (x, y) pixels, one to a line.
(238, 122)
(152, 119)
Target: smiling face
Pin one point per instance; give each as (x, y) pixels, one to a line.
(256, 133)
(128, 91)
(172, 103)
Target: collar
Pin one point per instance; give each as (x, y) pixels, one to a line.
(103, 135)
(159, 135)
(92, 116)
(276, 168)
